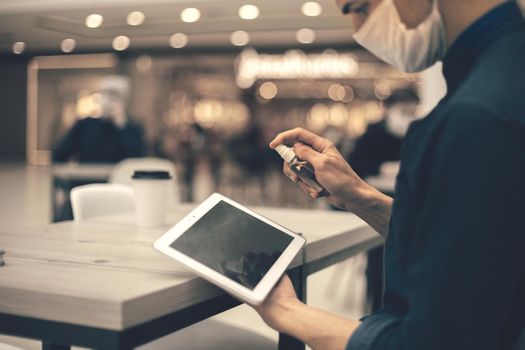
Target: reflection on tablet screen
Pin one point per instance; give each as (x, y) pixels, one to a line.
(234, 243)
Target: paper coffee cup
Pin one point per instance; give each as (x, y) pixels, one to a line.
(151, 197)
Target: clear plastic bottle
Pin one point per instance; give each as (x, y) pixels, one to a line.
(303, 169)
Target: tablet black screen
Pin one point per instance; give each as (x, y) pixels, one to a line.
(234, 243)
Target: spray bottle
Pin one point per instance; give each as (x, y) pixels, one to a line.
(303, 169)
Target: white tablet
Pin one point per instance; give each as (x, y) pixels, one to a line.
(232, 247)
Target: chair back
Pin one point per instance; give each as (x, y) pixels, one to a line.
(94, 200)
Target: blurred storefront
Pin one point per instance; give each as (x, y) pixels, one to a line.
(214, 113)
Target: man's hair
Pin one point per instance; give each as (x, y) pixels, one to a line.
(403, 95)
(118, 84)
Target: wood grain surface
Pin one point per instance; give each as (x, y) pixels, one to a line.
(105, 272)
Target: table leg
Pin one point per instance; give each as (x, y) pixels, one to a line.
(51, 346)
(298, 277)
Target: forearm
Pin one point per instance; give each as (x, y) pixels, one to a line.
(317, 328)
(373, 207)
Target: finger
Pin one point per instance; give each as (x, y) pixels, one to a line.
(289, 173)
(307, 189)
(307, 153)
(301, 135)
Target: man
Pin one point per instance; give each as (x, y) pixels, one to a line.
(454, 261)
(108, 138)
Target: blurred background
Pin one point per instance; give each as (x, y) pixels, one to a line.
(211, 83)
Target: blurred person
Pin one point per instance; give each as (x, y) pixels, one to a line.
(214, 147)
(382, 141)
(190, 146)
(107, 138)
(248, 149)
(454, 262)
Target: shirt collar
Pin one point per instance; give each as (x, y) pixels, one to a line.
(461, 56)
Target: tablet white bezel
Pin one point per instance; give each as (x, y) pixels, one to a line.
(259, 293)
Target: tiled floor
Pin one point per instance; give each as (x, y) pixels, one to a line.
(25, 201)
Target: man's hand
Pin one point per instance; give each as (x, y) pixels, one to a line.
(281, 298)
(345, 189)
(284, 312)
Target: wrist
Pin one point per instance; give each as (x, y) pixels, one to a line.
(368, 199)
(373, 207)
(283, 313)
(315, 327)
(363, 196)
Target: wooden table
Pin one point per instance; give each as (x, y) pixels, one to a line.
(100, 284)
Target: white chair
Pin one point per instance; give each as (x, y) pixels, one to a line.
(123, 171)
(101, 199)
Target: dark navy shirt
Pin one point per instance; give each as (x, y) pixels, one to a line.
(455, 253)
(98, 140)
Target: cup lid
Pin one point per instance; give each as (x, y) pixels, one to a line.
(151, 175)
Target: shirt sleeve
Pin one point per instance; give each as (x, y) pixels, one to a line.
(465, 261)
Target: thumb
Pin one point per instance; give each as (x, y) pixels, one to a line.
(306, 153)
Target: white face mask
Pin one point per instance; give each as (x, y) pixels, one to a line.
(409, 50)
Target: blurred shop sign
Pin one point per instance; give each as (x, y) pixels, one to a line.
(294, 64)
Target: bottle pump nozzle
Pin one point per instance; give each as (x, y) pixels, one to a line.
(303, 169)
(285, 152)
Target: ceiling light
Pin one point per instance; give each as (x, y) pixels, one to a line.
(190, 15)
(240, 38)
(248, 12)
(311, 9)
(121, 43)
(268, 90)
(94, 20)
(178, 40)
(336, 92)
(135, 18)
(19, 47)
(305, 36)
(68, 45)
(382, 91)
